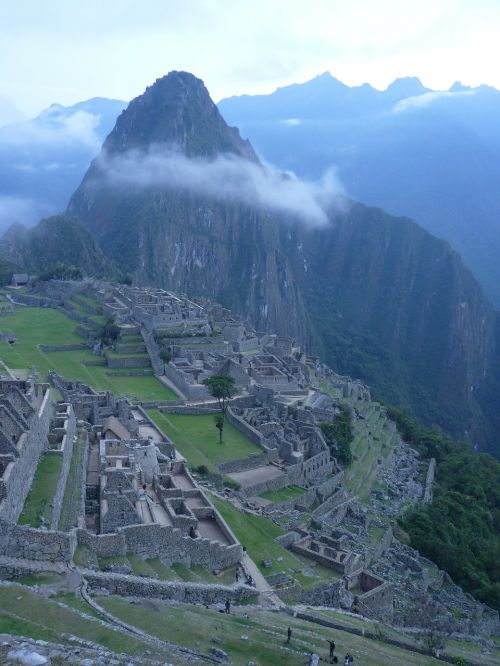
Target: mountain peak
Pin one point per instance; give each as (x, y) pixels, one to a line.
(459, 87)
(407, 86)
(177, 110)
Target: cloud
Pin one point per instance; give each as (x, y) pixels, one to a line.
(226, 177)
(22, 210)
(422, 101)
(292, 122)
(53, 128)
(9, 113)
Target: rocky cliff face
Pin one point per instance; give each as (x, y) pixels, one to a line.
(377, 296)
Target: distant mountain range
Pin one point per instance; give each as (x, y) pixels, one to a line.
(433, 156)
(178, 199)
(43, 160)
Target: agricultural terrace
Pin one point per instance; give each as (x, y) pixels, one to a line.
(255, 636)
(44, 486)
(197, 438)
(25, 613)
(46, 326)
(258, 534)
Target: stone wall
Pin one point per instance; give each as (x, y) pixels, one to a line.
(32, 544)
(193, 593)
(304, 500)
(276, 483)
(19, 476)
(331, 503)
(131, 348)
(311, 471)
(328, 487)
(66, 452)
(81, 330)
(327, 594)
(138, 372)
(172, 408)
(429, 480)
(81, 319)
(251, 462)
(128, 361)
(383, 545)
(170, 544)
(376, 598)
(246, 344)
(191, 391)
(245, 428)
(56, 348)
(35, 301)
(83, 482)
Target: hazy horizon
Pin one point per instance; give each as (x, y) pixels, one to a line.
(65, 52)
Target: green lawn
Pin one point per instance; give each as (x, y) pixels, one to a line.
(197, 438)
(26, 613)
(42, 491)
(73, 491)
(254, 635)
(34, 326)
(258, 534)
(284, 494)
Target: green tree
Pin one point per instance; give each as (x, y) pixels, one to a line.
(339, 435)
(222, 388)
(219, 424)
(166, 354)
(109, 333)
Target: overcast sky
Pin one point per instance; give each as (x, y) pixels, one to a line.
(69, 50)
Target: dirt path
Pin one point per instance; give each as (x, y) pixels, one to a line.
(267, 596)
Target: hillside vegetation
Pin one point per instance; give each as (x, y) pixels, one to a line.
(460, 529)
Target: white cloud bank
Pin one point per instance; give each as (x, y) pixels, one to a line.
(423, 101)
(53, 128)
(227, 177)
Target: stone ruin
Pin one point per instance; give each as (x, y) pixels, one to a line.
(140, 496)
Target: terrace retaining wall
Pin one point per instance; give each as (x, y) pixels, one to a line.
(18, 477)
(245, 428)
(66, 452)
(56, 348)
(170, 544)
(193, 593)
(28, 543)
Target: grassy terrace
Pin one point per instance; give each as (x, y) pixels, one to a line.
(265, 631)
(73, 490)
(100, 320)
(367, 449)
(197, 438)
(35, 326)
(154, 568)
(258, 534)
(42, 491)
(454, 647)
(284, 494)
(24, 613)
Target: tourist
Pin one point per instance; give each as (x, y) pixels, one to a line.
(332, 647)
(237, 574)
(289, 635)
(228, 606)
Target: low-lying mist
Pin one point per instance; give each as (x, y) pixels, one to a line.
(226, 177)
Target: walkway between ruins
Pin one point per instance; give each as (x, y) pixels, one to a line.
(266, 592)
